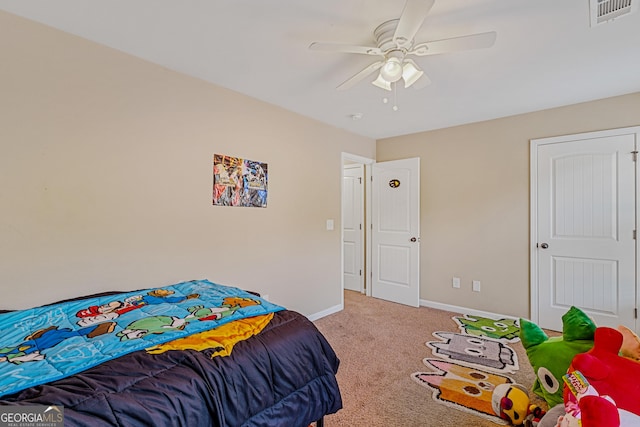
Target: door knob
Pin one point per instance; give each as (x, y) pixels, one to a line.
(544, 245)
(413, 239)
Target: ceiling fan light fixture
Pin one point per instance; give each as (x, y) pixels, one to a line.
(410, 74)
(381, 82)
(392, 70)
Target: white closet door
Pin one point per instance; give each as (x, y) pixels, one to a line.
(585, 221)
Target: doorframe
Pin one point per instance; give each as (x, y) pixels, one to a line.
(534, 305)
(367, 163)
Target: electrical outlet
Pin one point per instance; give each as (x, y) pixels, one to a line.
(456, 282)
(476, 286)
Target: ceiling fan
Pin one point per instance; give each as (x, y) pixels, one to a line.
(395, 42)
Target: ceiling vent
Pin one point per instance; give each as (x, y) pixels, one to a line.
(606, 10)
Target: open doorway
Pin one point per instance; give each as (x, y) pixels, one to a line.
(353, 227)
(381, 237)
(355, 223)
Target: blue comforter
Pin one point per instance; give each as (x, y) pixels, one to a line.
(283, 376)
(47, 343)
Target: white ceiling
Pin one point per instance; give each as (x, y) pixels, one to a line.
(546, 54)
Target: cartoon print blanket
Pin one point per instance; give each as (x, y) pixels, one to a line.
(44, 344)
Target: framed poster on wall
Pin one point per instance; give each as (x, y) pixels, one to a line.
(239, 182)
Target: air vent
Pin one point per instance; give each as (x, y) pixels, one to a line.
(606, 10)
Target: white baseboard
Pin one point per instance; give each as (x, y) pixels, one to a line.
(424, 303)
(328, 311)
(464, 310)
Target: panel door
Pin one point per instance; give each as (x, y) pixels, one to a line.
(352, 227)
(586, 221)
(396, 231)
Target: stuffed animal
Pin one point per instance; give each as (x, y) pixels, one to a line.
(536, 414)
(511, 402)
(551, 357)
(585, 406)
(630, 344)
(550, 419)
(595, 411)
(598, 412)
(611, 375)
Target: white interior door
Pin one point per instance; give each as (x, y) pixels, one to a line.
(395, 233)
(353, 227)
(586, 210)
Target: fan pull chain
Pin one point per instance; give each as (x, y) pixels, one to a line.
(395, 97)
(385, 100)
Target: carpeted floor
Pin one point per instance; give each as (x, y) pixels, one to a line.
(380, 345)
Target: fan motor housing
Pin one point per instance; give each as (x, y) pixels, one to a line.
(383, 35)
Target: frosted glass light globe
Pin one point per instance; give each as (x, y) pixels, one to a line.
(392, 70)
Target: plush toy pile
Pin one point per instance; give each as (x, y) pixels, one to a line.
(609, 395)
(589, 377)
(551, 357)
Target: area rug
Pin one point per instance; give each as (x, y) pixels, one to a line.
(505, 330)
(463, 388)
(471, 363)
(475, 351)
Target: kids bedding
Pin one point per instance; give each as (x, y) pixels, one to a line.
(154, 357)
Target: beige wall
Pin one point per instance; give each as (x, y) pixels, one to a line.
(106, 176)
(106, 184)
(475, 199)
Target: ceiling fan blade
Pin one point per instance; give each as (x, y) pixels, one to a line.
(345, 48)
(413, 15)
(350, 82)
(454, 44)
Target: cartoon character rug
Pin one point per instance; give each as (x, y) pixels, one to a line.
(505, 330)
(47, 343)
(463, 388)
(471, 364)
(475, 351)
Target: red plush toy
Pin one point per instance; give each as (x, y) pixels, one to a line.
(612, 376)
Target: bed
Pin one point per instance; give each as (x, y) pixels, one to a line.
(284, 375)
